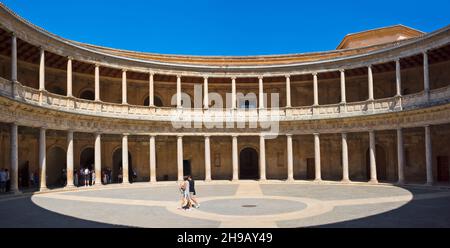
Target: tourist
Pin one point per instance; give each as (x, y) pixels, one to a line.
(36, 178)
(32, 179)
(192, 191)
(93, 177)
(2, 181)
(75, 178)
(8, 181)
(86, 177)
(186, 200)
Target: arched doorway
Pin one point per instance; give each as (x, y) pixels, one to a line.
(380, 157)
(56, 166)
(156, 101)
(248, 164)
(88, 95)
(87, 158)
(117, 165)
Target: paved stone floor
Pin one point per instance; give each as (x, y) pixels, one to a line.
(227, 204)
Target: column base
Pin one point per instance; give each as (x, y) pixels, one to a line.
(400, 182)
(290, 180)
(43, 189)
(70, 187)
(374, 181)
(317, 180)
(15, 192)
(235, 180)
(429, 183)
(346, 181)
(207, 180)
(152, 181)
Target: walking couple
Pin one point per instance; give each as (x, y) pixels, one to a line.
(187, 188)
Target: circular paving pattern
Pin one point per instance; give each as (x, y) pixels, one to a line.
(249, 206)
(245, 204)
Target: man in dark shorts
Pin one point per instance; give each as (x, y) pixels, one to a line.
(192, 192)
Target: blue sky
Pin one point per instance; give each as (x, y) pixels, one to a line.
(225, 27)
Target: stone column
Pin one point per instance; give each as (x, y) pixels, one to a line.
(398, 77)
(42, 160)
(178, 91)
(372, 154)
(426, 75)
(42, 70)
(97, 83)
(235, 158)
(316, 90)
(205, 89)
(14, 159)
(288, 91)
(69, 77)
(124, 87)
(262, 158)
(13, 58)
(370, 86)
(343, 97)
(400, 157)
(233, 93)
(180, 157)
(261, 92)
(125, 159)
(345, 172)
(98, 159)
(207, 159)
(151, 90)
(290, 158)
(69, 159)
(317, 157)
(152, 159)
(429, 155)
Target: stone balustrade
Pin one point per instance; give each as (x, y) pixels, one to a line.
(96, 108)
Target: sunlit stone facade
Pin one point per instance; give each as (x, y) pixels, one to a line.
(374, 110)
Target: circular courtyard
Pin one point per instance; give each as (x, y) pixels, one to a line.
(225, 204)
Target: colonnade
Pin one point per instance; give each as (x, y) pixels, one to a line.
(207, 154)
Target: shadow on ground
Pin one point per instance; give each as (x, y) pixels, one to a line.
(23, 213)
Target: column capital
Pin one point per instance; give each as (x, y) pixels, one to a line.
(13, 34)
(397, 60)
(124, 70)
(234, 135)
(205, 77)
(41, 49)
(315, 74)
(260, 77)
(69, 58)
(289, 135)
(316, 134)
(233, 78)
(153, 135)
(151, 73)
(180, 136)
(287, 76)
(207, 136)
(97, 65)
(425, 52)
(341, 70)
(178, 76)
(125, 134)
